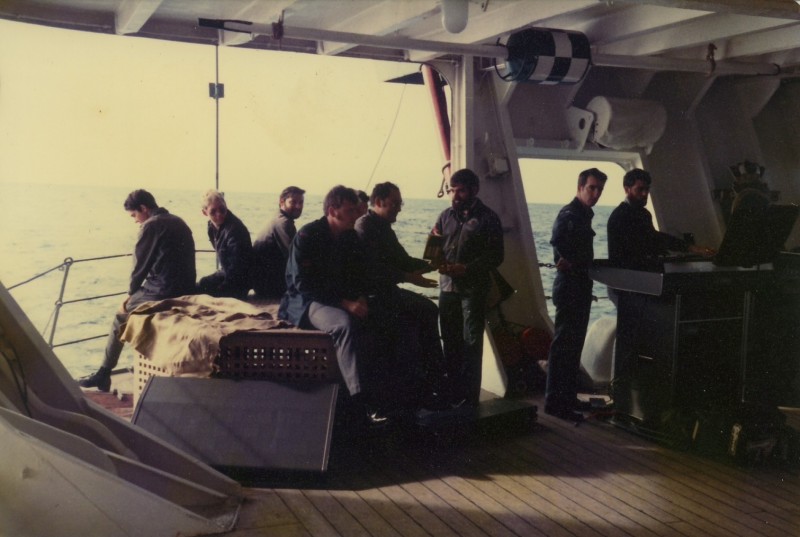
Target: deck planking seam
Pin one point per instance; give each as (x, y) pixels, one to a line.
(451, 515)
(485, 492)
(268, 511)
(613, 511)
(729, 479)
(593, 484)
(551, 491)
(477, 507)
(761, 478)
(391, 512)
(305, 511)
(720, 510)
(639, 488)
(556, 519)
(416, 510)
(336, 514)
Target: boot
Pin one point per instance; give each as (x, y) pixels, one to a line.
(100, 380)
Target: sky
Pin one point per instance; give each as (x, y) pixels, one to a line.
(90, 109)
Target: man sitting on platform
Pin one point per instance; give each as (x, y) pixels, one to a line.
(271, 248)
(414, 318)
(231, 240)
(326, 290)
(163, 267)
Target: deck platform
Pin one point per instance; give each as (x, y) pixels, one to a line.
(554, 480)
(551, 479)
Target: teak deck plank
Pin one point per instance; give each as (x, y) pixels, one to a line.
(595, 480)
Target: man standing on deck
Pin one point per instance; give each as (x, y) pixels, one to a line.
(633, 241)
(231, 240)
(472, 248)
(420, 367)
(271, 248)
(326, 290)
(573, 253)
(163, 267)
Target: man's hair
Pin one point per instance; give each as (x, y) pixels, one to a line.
(337, 196)
(210, 196)
(140, 197)
(381, 191)
(591, 172)
(465, 177)
(290, 191)
(634, 175)
(362, 196)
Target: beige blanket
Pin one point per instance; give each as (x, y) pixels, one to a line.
(181, 335)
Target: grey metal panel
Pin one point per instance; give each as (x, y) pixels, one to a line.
(253, 424)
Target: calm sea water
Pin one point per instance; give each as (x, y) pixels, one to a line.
(45, 225)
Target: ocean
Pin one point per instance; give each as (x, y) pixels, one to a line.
(44, 225)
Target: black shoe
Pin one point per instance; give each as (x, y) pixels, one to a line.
(564, 414)
(100, 380)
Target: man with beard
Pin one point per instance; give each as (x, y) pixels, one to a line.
(271, 248)
(633, 241)
(472, 247)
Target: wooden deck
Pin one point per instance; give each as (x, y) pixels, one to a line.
(557, 479)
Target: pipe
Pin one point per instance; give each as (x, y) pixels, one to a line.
(439, 102)
(491, 50)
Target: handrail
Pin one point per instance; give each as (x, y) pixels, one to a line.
(60, 302)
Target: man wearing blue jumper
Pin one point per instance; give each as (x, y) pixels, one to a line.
(573, 253)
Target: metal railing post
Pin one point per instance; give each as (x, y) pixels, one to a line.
(60, 302)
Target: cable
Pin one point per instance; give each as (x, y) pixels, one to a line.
(388, 137)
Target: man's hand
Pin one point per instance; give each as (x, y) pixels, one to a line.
(417, 278)
(563, 265)
(356, 308)
(454, 270)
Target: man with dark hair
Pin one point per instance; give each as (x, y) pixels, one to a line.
(633, 241)
(414, 318)
(573, 252)
(363, 202)
(271, 248)
(163, 267)
(326, 290)
(231, 241)
(472, 247)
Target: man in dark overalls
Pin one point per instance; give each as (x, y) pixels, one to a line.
(573, 252)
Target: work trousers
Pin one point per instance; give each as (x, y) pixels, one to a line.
(114, 344)
(572, 297)
(345, 330)
(462, 318)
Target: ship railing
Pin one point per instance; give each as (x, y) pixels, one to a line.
(60, 302)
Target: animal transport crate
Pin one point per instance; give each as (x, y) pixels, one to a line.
(283, 355)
